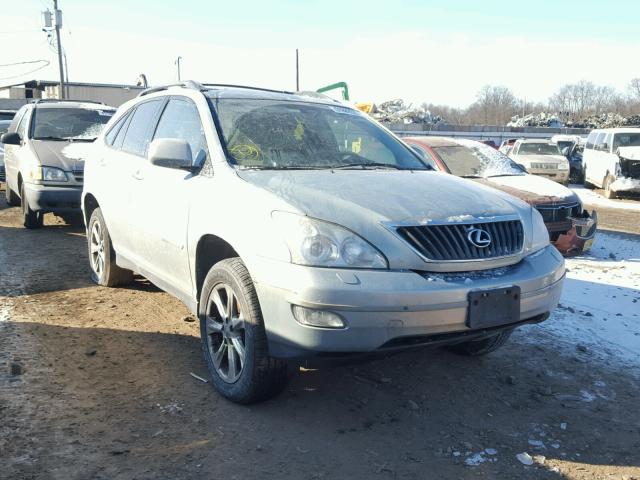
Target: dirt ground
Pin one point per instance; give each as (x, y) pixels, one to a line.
(95, 384)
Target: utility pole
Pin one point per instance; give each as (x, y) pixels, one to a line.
(177, 62)
(297, 72)
(58, 16)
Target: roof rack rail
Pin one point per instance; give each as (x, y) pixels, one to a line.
(312, 94)
(193, 85)
(57, 100)
(247, 87)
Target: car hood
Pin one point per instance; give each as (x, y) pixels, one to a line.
(532, 189)
(541, 158)
(66, 155)
(632, 153)
(351, 197)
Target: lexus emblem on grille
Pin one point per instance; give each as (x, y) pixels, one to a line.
(478, 237)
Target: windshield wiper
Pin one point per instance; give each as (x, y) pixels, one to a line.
(81, 139)
(367, 165)
(470, 176)
(282, 167)
(505, 175)
(53, 139)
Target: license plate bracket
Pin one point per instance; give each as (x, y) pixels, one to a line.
(491, 308)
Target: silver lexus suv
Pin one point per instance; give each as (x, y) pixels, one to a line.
(296, 227)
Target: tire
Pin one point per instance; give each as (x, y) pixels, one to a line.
(10, 196)
(102, 257)
(73, 219)
(238, 339)
(606, 186)
(30, 218)
(475, 348)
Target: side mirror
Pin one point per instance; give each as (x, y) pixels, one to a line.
(170, 153)
(604, 147)
(11, 138)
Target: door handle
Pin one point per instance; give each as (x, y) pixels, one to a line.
(138, 175)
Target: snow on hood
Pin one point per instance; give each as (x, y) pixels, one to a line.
(65, 155)
(541, 187)
(632, 153)
(355, 198)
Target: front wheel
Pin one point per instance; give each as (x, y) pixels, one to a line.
(30, 218)
(233, 336)
(102, 257)
(476, 348)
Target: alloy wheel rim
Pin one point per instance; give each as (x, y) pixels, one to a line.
(97, 249)
(225, 330)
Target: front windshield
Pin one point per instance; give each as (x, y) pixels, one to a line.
(474, 160)
(272, 134)
(538, 149)
(69, 123)
(626, 140)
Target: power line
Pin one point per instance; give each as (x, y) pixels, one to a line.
(46, 64)
(24, 63)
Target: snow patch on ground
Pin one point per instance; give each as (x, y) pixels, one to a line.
(590, 197)
(599, 312)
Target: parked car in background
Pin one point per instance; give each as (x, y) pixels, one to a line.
(7, 114)
(571, 228)
(611, 160)
(539, 157)
(4, 126)
(507, 145)
(296, 227)
(572, 146)
(45, 147)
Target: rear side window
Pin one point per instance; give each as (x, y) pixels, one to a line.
(591, 140)
(181, 119)
(138, 135)
(111, 136)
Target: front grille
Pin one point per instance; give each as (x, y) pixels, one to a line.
(78, 175)
(451, 243)
(558, 213)
(3, 175)
(545, 166)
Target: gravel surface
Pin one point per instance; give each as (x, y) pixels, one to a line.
(96, 383)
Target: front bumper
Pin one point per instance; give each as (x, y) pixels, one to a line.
(579, 236)
(560, 176)
(46, 198)
(382, 308)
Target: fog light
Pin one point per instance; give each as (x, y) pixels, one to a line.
(317, 318)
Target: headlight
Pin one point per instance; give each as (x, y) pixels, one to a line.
(322, 244)
(47, 174)
(563, 166)
(540, 234)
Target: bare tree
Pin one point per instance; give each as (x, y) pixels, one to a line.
(494, 105)
(634, 88)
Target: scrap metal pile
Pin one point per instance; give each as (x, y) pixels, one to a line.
(541, 119)
(604, 120)
(396, 111)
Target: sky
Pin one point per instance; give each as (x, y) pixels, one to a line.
(422, 51)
